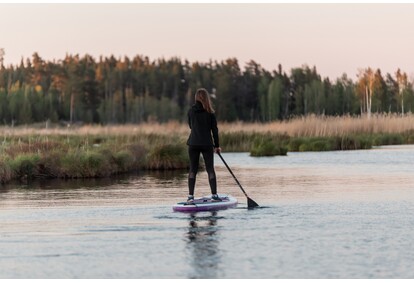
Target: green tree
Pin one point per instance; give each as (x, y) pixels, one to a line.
(262, 91)
(380, 98)
(227, 96)
(4, 109)
(300, 77)
(274, 96)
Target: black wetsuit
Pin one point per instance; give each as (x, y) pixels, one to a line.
(203, 138)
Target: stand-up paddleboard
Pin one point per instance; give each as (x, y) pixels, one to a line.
(206, 204)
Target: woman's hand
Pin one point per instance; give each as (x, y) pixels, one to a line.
(217, 149)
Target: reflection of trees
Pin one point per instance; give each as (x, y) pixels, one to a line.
(202, 246)
(167, 175)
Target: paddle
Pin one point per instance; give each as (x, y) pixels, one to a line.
(250, 203)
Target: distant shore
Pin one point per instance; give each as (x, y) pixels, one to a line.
(34, 151)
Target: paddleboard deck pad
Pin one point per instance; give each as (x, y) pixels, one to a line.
(206, 204)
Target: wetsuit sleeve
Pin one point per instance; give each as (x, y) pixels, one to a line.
(214, 130)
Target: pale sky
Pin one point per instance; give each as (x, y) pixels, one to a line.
(336, 38)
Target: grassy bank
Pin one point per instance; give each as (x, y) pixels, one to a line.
(96, 151)
(87, 156)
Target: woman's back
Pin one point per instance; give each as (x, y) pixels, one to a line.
(202, 124)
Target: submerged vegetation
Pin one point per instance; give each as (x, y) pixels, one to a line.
(95, 151)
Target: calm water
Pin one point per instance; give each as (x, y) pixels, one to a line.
(324, 215)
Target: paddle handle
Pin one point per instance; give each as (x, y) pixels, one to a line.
(231, 172)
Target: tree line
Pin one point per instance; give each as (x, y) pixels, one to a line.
(113, 90)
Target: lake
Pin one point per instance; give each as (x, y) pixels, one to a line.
(343, 214)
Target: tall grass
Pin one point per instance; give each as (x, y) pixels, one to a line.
(307, 126)
(95, 151)
(328, 126)
(87, 156)
(6, 173)
(266, 146)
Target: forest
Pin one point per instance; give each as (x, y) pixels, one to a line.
(109, 90)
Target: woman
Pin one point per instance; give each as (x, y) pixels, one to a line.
(203, 139)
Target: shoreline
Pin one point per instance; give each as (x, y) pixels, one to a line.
(31, 152)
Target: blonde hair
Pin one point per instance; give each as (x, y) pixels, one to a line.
(203, 96)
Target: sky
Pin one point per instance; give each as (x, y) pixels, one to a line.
(335, 38)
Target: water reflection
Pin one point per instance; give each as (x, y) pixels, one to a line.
(135, 188)
(160, 175)
(157, 177)
(203, 246)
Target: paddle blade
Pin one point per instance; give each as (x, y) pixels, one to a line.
(251, 203)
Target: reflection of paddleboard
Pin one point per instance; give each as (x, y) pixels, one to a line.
(206, 204)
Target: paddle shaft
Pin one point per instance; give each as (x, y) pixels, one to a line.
(231, 172)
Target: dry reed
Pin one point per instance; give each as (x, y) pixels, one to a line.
(309, 126)
(328, 126)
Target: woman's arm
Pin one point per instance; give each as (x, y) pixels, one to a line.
(189, 119)
(214, 130)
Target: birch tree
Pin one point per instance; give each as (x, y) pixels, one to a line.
(402, 85)
(365, 87)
